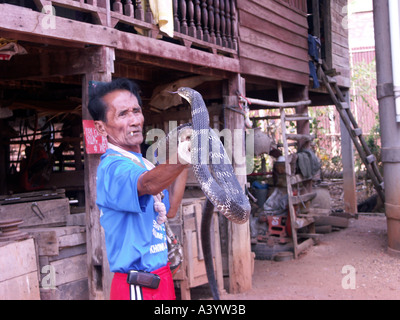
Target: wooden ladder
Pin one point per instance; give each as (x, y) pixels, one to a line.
(354, 130)
(304, 220)
(301, 240)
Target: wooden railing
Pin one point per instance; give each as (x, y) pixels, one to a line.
(208, 24)
(212, 21)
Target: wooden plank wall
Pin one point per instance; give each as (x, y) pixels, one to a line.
(273, 40)
(298, 4)
(340, 41)
(18, 271)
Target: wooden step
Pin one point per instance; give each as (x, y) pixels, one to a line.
(331, 80)
(371, 158)
(288, 117)
(298, 117)
(357, 132)
(332, 72)
(290, 144)
(303, 222)
(298, 137)
(303, 198)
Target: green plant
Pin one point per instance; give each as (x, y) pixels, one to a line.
(324, 142)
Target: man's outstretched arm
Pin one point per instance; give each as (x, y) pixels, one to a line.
(161, 177)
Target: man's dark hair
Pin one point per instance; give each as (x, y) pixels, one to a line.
(97, 107)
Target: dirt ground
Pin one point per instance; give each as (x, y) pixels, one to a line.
(317, 274)
(348, 264)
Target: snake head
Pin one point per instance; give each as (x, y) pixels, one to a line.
(186, 93)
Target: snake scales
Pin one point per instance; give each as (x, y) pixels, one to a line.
(214, 172)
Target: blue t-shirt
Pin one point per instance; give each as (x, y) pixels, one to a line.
(134, 239)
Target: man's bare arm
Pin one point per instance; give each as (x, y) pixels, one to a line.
(161, 177)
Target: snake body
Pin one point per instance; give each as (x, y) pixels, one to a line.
(214, 172)
(211, 164)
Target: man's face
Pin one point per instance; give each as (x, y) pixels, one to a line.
(124, 124)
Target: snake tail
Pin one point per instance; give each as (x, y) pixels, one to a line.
(206, 246)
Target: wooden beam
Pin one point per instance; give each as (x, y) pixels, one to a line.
(217, 71)
(26, 21)
(29, 37)
(51, 64)
(274, 104)
(99, 275)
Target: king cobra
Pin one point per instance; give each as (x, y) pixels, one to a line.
(214, 172)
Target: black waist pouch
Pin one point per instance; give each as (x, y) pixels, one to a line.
(143, 279)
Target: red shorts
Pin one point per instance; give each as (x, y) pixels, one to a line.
(121, 290)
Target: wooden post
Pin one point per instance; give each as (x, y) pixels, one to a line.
(303, 126)
(239, 250)
(4, 164)
(349, 179)
(317, 26)
(99, 276)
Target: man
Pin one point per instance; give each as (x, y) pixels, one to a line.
(132, 196)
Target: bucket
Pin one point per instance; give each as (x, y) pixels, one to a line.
(260, 192)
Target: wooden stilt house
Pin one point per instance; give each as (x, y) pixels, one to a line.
(225, 49)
